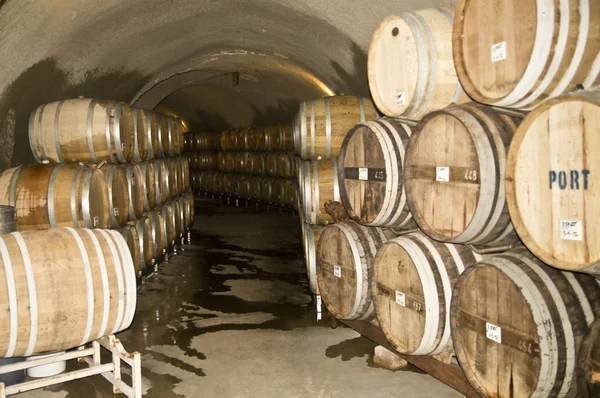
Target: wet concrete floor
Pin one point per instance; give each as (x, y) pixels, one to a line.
(232, 316)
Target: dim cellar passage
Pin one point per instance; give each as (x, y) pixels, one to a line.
(300, 199)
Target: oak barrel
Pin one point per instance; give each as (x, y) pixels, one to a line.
(162, 135)
(281, 137)
(204, 160)
(310, 240)
(345, 257)
(232, 140)
(410, 66)
(203, 141)
(413, 280)
(271, 164)
(184, 168)
(136, 185)
(238, 162)
(251, 138)
(151, 128)
(519, 53)
(323, 124)
(143, 225)
(179, 220)
(187, 205)
(63, 195)
(263, 139)
(318, 184)
(130, 233)
(150, 187)
(89, 293)
(286, 164)
(175, 130)
(517, 325)
(140, 136)
(118, 194)
(242, 139)
(255, 163)
(223, 140)
(243, 188)
(454, 175)
(170, 232)
(255, 188)
(82, 130)
(550, 182)
(266, 189)
(158, 231)
(371, 173)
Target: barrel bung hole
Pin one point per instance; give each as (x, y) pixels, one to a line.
(395, 32)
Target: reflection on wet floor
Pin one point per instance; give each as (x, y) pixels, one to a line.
(232, 316)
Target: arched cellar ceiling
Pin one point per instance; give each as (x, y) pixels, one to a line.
(180, 54)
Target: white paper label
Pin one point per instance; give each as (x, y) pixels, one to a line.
(400, 298)
(442, 173)
(318, 307)
(493, 332)
(96, 221)
(498, 52)
(123, 147)
(337, 271)
(363, 173)
(400, 98)
(116, 211)
(571, 230)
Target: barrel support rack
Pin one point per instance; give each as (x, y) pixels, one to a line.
(111, 371)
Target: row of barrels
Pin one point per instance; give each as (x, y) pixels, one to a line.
(92, 130)
(97, 271)
(277, 137)
(420, 61)
(85, 196)
(471, 174)
(277, 191)
(501, 315)
(272, 164)
(201, 142)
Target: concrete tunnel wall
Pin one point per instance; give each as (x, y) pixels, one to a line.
(178, 56)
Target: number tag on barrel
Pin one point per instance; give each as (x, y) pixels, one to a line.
(442, 173)
(400, 298)
(337, 271)
(116, 211)
(493, 332)
(364, 174)
(96, 221)
(400, 98)
(498, 51)
(571, 230)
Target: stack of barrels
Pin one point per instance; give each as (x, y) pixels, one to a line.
(255, 163)
(466, 220)
(103, 164)
(202, 150)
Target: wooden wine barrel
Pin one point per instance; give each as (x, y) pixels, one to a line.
(49, 196)
(310, 239)
(290, 193)
(176, 176)
(89, 293)
(143, 225)
(243, 188)
(151, 128)
(175, 136)
(223, 140)
(82, 130)
(414, 276)
(518, 54)
(161, 181)
(285, 164)
(263, 139)
(588, 363)
(205, 180)
(517, 325)
(371, 173)
(410, 66)
(323, 124)
(281, 137)
(255, 188)
(271, 164)
(232, 140)
(178, 218)
(266, 190)
(158, 232)
(136, 185)
(279, 191)
(222, 161)
(140, 136)
(184, 166)
(238, 162)
(550, 188)
(150, 187)
(204, 160)
(187, 204)
(118, 194)
(228, 182)
(318, 184)
(169, 183)
(345, 257)
(229, 163)
(130, 233)
(203, 141)
(162, 135)
(255, 163)
(242, 139)
(170, 232)
(251, 138)
(456, 192)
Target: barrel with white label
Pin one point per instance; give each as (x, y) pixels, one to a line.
(410, 66)
(318, 184)
(345, 257)
(150, 189)
(140, 128)
(517, 325)
(323, 124)
(371, 176)
(118, 194)
(135, 187)
(63, 287)
(310, 240)
(551, 182)
(518, 53)
(413, 280)
(159, 233)
(454, 175)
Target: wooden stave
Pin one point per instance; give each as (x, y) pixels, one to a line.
(204, 160)
(152, 135)
(62, 325)
(333, 123)
(434, 89)
(141, 137)
(161, 181)
(257, 164)
(169, 218)
(579, 296)
(538, 80)
(135, 189)
(313, 174)
(394, 215)
(103, 141)
(163, 135)
(591, 266)
(439, 266)
(172, 178)
(490, 224)
(364, 243)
